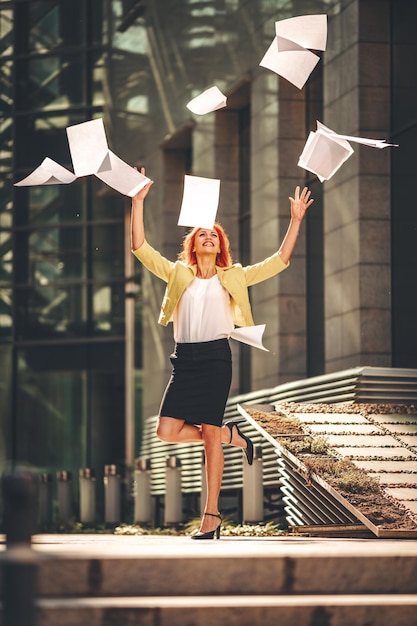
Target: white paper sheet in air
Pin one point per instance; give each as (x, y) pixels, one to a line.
(325, 151)
(200, 202)
(289, 54)
(90, 155)
(49, 172)
(88, 147)
(251, 335)
(209, 100)
(122, 177)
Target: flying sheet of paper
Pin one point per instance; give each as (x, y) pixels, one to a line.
(252, 335)
(200, 201)
(325, 151)
(88, 147)
(49, 172)
(288, 54)
(211, 99)
(308, 31)
(90, 155)
(122, 177)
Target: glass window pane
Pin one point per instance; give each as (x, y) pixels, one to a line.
(57, 254)
(6, 145)
(54, 204)
(52, 82)
(52, 311)
(108, 247)
(65, 310)
(6, 95)
(51, 413)
(109, 309)
(6, 32)
(6, 202)
(6, 313)
(70, 407)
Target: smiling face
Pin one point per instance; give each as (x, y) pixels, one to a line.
(206, 241)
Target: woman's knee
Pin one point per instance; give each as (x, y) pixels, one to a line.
(167, 429)
(211, 436)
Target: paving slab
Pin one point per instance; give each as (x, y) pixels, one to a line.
(409, 440)
(403, 429)
(363, 440)
(381, 453)
(388, 466)
(393, 418)
(331, 418)
(356, 429)
(287, 545)
(395, 478)
(402, 493)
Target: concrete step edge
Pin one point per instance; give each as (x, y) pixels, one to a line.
(231, 601)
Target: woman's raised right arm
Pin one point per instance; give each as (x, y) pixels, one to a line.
(137, 223)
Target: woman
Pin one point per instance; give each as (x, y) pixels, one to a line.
(206, 296)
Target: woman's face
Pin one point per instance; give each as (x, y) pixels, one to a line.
(206, 242)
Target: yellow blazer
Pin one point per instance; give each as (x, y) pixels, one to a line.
(235, 279)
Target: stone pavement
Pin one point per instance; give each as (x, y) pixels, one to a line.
(109, 545)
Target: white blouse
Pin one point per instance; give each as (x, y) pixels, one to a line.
(203, 312)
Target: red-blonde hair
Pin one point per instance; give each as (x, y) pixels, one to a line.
(187, 254)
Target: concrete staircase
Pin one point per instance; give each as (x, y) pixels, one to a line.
(172, 581)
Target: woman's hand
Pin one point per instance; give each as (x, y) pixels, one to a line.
(142, 193)
(137, 225)
(300, 203)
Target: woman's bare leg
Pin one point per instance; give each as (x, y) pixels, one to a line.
(174, 430)
(214, 460)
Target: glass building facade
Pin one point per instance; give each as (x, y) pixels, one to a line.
(82, 357)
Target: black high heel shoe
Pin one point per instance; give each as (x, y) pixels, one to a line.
(211, 534)
(248, 451)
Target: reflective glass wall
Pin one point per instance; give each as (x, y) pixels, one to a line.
(63, 247)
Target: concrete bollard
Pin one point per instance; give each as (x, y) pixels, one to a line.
(112, 495)
(253, 492)
(87, 483)
(142, 512)
(173, 495)
(64, 495)
(45, 499)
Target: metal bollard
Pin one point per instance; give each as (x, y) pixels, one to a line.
(111, 495)
(64, 493)
(142, 512)
(173, 495)
(21, 499)
(45, 498)
(87, 495)
(253, 491)
(203, 493)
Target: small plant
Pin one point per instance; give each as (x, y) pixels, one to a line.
(343, 475)
(306, 445)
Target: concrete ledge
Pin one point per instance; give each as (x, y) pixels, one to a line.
(354, 610)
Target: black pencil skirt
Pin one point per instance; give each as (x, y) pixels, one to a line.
(200, 382)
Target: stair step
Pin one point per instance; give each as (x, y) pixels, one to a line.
(308, 610)
(175, 576)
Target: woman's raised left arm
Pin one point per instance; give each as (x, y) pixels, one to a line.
(299, 205)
